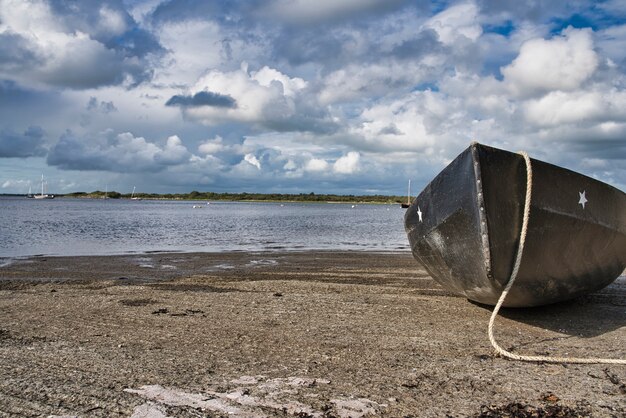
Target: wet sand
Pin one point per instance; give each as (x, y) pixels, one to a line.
(322, 334)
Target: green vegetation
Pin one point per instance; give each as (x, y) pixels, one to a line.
(247, 197)
(96, 195)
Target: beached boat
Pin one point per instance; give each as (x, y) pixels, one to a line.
(464, 227)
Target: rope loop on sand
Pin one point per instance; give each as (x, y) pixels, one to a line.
(505, 292)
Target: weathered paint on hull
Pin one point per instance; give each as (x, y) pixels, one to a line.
(464, 228)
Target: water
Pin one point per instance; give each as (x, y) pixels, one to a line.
(65, 226)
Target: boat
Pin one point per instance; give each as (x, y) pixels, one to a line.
(465, 227)
(408, 198)
(30, 192)
(43, 195)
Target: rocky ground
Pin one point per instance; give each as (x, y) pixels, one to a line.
(304, 334)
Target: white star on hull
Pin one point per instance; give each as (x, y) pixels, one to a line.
(583, 198)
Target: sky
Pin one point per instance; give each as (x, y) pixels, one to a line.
(300, 96)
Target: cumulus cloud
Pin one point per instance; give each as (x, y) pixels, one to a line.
(266, 99)
(173, 153)
(122, 153)
(30, 143)
(560, 107)
(354, 95)
(316, 165)
(252, 160)
(290, 165)
(212, 146)
(257, 102)
(347, 164)
(358, 82)
(457, 21)
(72, 44)
(561, 63)
(409, 123)
(290, 86)
(15, 52)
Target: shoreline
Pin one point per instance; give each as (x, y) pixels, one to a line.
(159, 266)
(195, 252)
(390, 202)
(282, 333)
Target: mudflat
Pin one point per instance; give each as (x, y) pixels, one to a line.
(278, 334)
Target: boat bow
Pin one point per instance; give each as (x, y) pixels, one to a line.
(464, 228)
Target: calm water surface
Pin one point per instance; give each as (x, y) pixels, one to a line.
(65, 226)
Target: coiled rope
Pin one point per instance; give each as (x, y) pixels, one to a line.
(505, 292)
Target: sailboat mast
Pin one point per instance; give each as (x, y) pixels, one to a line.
(408, 194)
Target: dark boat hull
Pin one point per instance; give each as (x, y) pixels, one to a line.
(465, 225)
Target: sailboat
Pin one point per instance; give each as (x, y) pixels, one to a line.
(408, 198)
(132, 196)
(43, 195)
(30, 192)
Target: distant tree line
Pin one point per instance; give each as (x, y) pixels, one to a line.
(96, 195)
(256, 197)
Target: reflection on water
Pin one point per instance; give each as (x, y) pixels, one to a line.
(92, 227)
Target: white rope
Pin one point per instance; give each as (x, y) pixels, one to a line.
(505, 292)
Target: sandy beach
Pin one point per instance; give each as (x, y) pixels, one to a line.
(278, 334)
